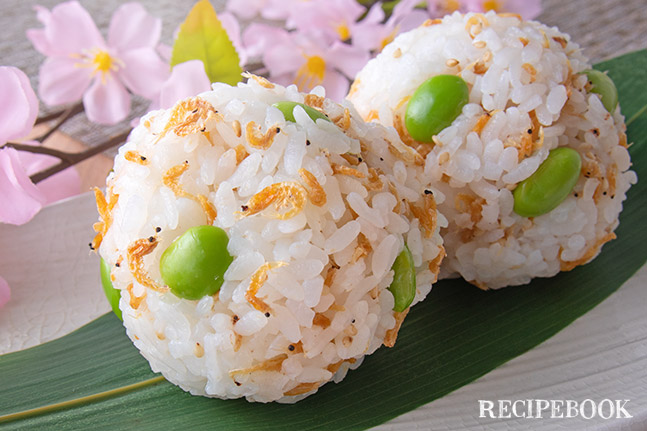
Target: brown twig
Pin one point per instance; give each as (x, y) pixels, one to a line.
(65, 115)
(69, 159)
(37, 149)
(54, 115)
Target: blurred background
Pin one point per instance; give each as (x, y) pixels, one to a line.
(603, 28)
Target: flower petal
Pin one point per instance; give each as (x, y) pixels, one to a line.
(19, 106)
(348, 59)
(60, 81)
(282, 52)
(279, 9)
(528, 9)
(336, 85)
(245, 9)
(37, 36)
(131, 27)
(106, 102)
(69, 28)
(5, 293)
(327, 16)
(143, 71)
(258, 38)
(187, 79)
(59, 186)
(375, 15)
(165, 52)
(412, 20)
(62, 185)
(369, 36)
(20, 198)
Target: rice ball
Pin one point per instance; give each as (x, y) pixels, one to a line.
(518, 208)
(308, 240)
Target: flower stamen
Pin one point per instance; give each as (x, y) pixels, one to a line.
(343, 31)
(389, 38)
(311, 73)
(99, 60)
(446, 7)
(494, 5)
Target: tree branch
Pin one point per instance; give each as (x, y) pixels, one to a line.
(54, 115)
(37, 149)
(64, 116)
(74, 158)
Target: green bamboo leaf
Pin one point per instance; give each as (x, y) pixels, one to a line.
(95, 379)
(202, 37)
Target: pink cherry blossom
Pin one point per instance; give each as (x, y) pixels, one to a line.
(80, 64)
(528, 9)
(440, 8)
(334, 18)
(5, 293)
(62, 185)
(187, 79)
(19, 106)
(308, 60)
(268, 9)
(21, 199)
(257, 38)
(373, 35)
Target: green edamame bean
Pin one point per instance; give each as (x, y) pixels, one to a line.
(549, 185)
(435, 105)
(113, 295)
(287, 108)
(603, 85)
(194, 265)
(403, 286)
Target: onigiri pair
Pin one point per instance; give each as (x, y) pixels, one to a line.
(263, 241)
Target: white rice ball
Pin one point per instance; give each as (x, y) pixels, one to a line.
(526, 97)
(306, 296)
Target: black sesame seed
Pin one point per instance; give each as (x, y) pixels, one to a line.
(235, 318)
(291, 347)
(186, 161)
(575, 194)
(530, 131)
(278, 130)
(352, 321)
(237, 384)
(158, 229)
(429, 192)
(244, 207)
(308, 142)
(359, 159)
(195, 111)
(267, 314)
(90, 244)
(604, 193)
(143, 158)
(381, 159)
(151, 239)
(117, 264)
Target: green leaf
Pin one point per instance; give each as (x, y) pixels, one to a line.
(95, 379)
(202, 37)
